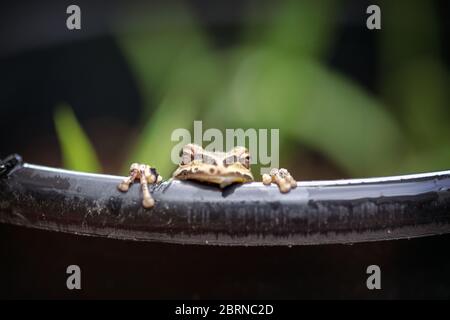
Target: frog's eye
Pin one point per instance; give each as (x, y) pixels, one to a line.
(230, 160)
(245, 160)
(186, 156)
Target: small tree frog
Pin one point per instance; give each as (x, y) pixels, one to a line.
(220, 168)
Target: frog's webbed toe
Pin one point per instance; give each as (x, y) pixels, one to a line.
(125, 184)
(280, 177)
(146, 175)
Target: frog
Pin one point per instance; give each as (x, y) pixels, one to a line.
(214, 167)
(209, 167)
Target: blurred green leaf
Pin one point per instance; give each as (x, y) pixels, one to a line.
(164, 56)
(153, 145)
(410, 31)
(275, 79)
(178, 75)
(301, 28)
(414, 79)
(419, 89)
(315, 106)
(77, 151)
(422, 161)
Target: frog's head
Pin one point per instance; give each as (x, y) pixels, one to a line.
(219, 168)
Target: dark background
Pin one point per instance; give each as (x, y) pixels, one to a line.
(42, 64)
(34, 267)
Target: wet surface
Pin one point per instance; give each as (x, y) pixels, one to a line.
(73, 204)
(251, 214)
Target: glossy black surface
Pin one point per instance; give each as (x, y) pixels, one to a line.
(252, 214)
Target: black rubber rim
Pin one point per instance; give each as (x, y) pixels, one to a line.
(341, 211)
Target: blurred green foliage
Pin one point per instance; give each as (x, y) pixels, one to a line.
(415, 81)
(177, 63)
(78, 153)
(276, 78)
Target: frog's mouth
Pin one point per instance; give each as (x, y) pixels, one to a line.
(221, 176)
(225, 181)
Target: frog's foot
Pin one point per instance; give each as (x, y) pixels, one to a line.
(146, 175)
(281, 177)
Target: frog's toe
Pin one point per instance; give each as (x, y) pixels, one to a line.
(123, 186)
(284, 185)
(266, 179)
(280, 177)
(292, 182)
(148, 202)
(151, 178)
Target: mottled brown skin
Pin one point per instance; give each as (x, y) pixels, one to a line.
(218, 168)
(226, 168)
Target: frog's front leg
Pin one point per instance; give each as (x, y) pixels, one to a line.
(281, 177)
(146, 175)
